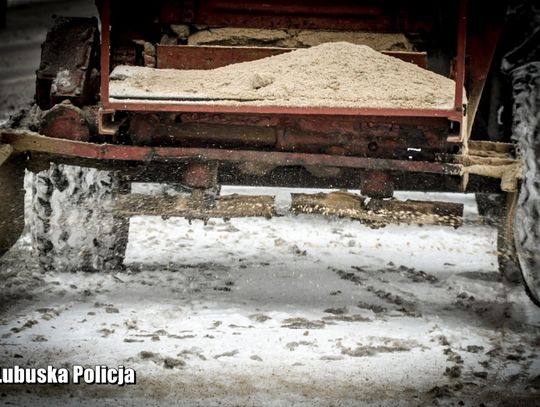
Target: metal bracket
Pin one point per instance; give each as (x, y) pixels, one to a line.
(107, 123)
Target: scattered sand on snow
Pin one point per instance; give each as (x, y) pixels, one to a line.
(336, 74)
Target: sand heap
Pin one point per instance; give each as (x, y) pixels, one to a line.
(335, 74)
(298, 38)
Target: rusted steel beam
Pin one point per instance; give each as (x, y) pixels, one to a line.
(478, 71)
(28, 141)
(228, 206)
(152, 106)
(210, 57)
(105, 63)
(460, 55)
(347, 205)
(153, 129)
(310, 134)
(483, 35)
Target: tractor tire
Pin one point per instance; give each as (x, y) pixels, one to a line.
(499, 210)
(11, 202)
(526, 131)
(73, 223)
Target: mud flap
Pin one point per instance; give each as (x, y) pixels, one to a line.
(11, 198)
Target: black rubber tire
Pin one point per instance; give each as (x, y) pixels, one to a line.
(498, 210)
(11, 202)
(526, 131)
(72, 220)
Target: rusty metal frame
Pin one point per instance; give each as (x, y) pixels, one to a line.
(273, 158)
(22, 141)
(482, 39)
(455, 114)
(282, 110)
(460, 55)
(105, 16)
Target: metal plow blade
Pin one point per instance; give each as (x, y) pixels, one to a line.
(377, 211)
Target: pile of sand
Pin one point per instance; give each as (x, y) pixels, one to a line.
(298, 38)
(332, 74)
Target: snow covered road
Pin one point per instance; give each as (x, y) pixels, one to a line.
(294, 310)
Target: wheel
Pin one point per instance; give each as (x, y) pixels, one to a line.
(11, 202)
(499, 211)
(526, 130)
(73, 222)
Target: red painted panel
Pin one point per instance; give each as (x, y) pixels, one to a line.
(210, 57)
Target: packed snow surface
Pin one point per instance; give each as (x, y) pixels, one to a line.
(296, 310)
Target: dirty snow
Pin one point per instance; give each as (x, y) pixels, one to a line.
(294, 310)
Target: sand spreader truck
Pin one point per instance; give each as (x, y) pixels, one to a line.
(375, 96)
